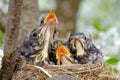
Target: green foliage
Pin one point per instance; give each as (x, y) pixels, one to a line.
(115, 70)
(1, 37)
(97, 25)
(5, 1)
(112, 61)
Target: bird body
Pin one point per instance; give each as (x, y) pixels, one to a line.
(42, 47)
(83, 49)
(40, 39)
(63, 55)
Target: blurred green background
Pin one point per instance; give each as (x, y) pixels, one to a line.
(101, 18)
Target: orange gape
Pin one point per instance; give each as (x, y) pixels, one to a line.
(51, 15)
(61, 50)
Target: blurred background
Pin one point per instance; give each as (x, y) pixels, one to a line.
(100, 18)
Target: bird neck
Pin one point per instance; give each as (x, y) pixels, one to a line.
(47, 40)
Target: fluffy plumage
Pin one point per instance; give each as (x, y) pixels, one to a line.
(83, 49)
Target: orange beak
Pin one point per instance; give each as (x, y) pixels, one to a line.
(50, 16)
(61, 50)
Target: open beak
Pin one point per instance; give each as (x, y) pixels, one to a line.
(62, 50)
(50, 23)
(63, 55)
(52, 16)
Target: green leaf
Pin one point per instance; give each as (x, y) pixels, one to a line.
(97, 25)
(115, 70)
(1, 37)
(112, 61)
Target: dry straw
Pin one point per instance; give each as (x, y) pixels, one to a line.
(97, 71)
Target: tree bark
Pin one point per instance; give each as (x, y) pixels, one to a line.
(67, 12)
(11, 39)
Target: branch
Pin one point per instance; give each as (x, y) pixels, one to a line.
(11, 39)
(42, 69)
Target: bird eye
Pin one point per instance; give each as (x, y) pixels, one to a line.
(34, 34)
(85, 38)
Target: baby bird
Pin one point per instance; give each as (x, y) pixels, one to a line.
(39, 40)
(63, 55)
(83, 49)
(60, 54)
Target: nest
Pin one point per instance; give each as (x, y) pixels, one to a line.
(97, 71)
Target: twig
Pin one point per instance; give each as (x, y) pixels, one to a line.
(11, 39)
(42, 69)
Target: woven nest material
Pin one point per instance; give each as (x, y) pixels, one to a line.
(97, 71)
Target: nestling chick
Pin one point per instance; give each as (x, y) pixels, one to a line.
(83, 49)
(63, 55)
(40, 40)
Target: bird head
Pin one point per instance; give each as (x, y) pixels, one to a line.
(37, 38)
(61, 50)
(79, 42)
(77, 37)
(63, 55)
(84, 39)
(48, 23)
